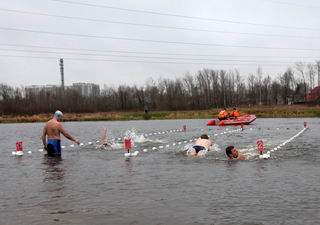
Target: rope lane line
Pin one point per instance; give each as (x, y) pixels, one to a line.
(276, 148)
(189, 141)
(226, 131)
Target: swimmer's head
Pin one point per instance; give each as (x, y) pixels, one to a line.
(58, 114)
(232, 152)
(204, 136)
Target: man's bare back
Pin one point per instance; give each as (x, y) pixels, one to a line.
(51, 134)
(204, 142)
(53, 129)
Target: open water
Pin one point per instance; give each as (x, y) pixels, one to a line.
(95, 186)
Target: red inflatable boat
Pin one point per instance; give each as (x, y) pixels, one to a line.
(245, 120)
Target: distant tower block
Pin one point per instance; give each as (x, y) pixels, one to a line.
(62, 74)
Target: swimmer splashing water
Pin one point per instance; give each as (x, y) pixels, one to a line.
(52, 130)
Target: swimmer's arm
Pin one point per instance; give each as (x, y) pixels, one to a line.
(242, 156)
(67, 135)
(104, 136)
(43, 137)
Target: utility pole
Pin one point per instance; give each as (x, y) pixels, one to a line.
(318, 64)
(62, 73)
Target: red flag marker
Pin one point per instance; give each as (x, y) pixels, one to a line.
(305, 124)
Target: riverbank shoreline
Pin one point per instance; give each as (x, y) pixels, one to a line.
(278, 111)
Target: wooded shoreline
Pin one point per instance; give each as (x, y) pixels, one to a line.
(275, 111)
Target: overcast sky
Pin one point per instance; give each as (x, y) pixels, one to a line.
(129, 41)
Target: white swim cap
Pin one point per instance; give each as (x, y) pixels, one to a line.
(58, 114)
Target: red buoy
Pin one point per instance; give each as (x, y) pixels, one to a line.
(127, 144)
(305, 124)
(260, 146)
(19, 146)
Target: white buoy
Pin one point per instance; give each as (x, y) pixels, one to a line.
(179, 143)
(154, 148)
(72, 146)
(145, 150)
(185, 142)
(98, 141)
(167, 146)
(29, 152)
(19, 153)
(135, 153)
(40, 150)
(13, 153)
(81, 144)
(89, 143)
(173, 144)
(63, 146)
(161, 146)
(127, 154)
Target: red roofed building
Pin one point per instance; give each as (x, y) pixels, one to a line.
(313, 95)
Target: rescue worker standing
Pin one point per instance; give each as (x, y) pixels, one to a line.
(223, 114)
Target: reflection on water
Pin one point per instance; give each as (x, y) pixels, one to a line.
(163, 186)
(53, 174)
(54, 170)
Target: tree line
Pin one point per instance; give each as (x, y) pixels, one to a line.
(204, 90)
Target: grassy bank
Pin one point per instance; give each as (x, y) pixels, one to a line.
(282, 111)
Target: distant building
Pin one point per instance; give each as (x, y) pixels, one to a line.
(87, 89)
(313, 95)
(36, 89)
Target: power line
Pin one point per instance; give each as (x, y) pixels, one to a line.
(184, 16)
(138, 61)
(154, 26)
(144, 57)
(293, 4)
(153, 41)
(151, 53)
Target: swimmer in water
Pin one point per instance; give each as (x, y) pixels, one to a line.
(233, 153)
(52, 129)
(203, 143)
(104, 139)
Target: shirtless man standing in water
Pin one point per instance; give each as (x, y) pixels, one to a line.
(52, 129)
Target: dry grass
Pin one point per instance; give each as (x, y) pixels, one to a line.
(277, 111)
